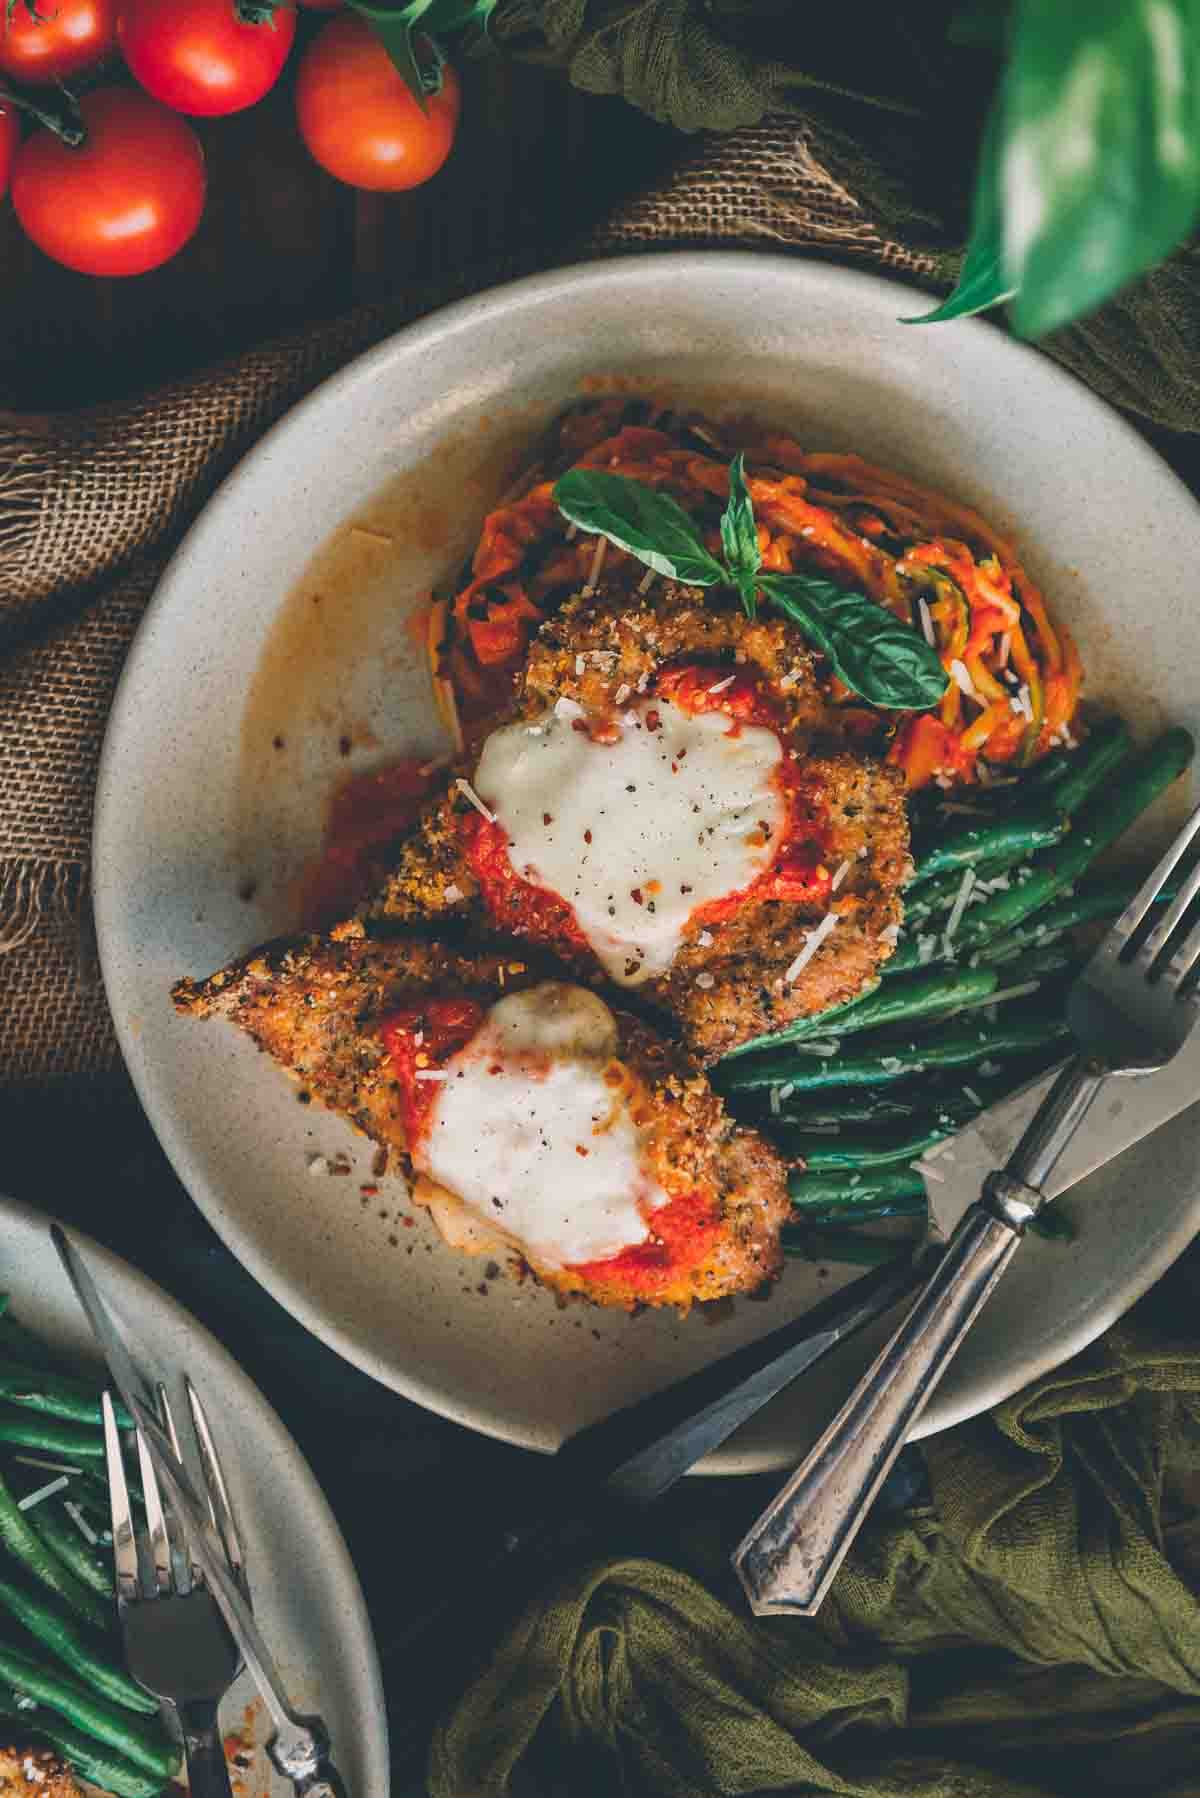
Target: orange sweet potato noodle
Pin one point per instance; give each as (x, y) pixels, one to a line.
(1015, 677)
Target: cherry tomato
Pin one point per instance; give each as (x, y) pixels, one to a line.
(67, 37)
(123, 201)
(206, 57)
(10, 135)
(358, 118)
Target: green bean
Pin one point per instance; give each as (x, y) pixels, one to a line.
(64, 1538)
(850, 1247)
(105, 1722)
(819, 1153)
(809, 1026)
(1103, 900)
(54, 1394)
(937, 895)
(1090, 767)
(896, 1061)
(93, 1762)
(1107, 817)
(1003, 839)
(26, 1546)
(69, 1441)
(1040, 824)
(887, 1192)
(74, 1647)
(904, 1001)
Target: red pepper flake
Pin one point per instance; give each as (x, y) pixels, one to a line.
(653, 721)
(635, 893)
(580, 1150)
(368, 1192)
(587, 836)
(495, 1068)
(581, 725)
(546, 818)
(410, 1223)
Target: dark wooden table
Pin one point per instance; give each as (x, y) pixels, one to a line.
(282, 242)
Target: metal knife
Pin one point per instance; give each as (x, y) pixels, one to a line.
(1127, 1111)
(299, 1747)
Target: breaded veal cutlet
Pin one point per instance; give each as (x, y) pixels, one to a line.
(673, 803)
(539, 1123)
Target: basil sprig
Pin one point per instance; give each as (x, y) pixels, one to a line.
(739, 537)
(648, 524)
(868, 648)
(885, 661)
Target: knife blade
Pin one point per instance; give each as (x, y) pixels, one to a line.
(1125, 1111)
(299, 1747)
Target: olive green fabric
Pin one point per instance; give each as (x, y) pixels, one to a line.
(892, 107)
(1031, 1630)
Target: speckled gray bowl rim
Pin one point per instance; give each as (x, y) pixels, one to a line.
(983, 1387)
(30, 1275)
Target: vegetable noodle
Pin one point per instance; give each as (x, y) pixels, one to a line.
(937, 566)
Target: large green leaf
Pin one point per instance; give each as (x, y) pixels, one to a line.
(739, 536)
(650, 525)
(982, 281)
(1100, 159)
(884, 661)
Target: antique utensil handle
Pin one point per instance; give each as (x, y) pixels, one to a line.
(207, 1768)
(788, 1560)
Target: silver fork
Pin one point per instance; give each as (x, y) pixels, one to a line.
(176, 1642)
(1130, 1010)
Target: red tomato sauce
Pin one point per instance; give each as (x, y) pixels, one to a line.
(424, 1037)
(683, 1233)
(799, 873)
(366, 813)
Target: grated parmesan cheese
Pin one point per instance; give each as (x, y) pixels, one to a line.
(926, 621)
(430, 1074)
(839, 876)
(722, 685)
(961, 677)
(960, 904)
(468, 791)
(812, 942)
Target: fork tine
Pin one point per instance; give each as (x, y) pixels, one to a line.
(214, 1482)
(1166, 926)
(125, 1557)
(1147, 893)
(195, 1571)
(160, 1545)
(1184, 960)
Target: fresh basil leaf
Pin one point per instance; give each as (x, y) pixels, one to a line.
(887, 663)
(650, 525)
(739, 532)
(393, 26)
(982, 281)
(1100, 160)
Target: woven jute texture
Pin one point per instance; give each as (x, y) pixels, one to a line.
(91, 505)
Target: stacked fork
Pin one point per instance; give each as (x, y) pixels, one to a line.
(176, 1643)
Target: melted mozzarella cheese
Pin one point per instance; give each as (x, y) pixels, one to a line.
(528, 1134)
(636, 834)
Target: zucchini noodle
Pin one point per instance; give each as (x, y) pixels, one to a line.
(1014, 679)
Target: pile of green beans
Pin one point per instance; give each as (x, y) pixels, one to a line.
(954, 1023)
(60, 1656)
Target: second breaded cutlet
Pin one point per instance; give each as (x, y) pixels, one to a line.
(539, 1123)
